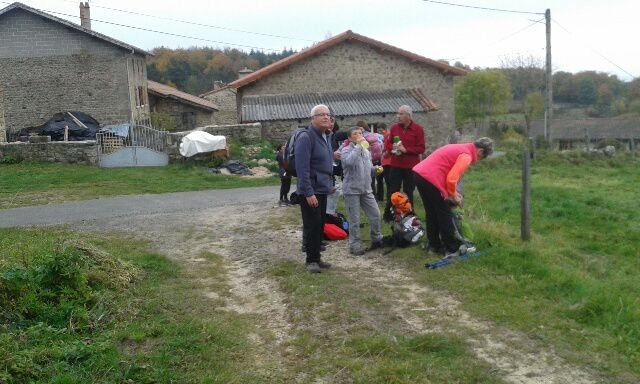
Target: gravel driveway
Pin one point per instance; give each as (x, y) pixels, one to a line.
(134, 205)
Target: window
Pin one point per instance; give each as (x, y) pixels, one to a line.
(188, 120)
(141, 97)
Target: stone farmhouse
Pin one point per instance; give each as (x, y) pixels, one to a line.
(187, 110)
(50, 65)
(359, 78)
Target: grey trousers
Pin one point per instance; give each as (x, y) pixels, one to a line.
(368, 203)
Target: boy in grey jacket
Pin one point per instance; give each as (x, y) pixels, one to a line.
(356, 188)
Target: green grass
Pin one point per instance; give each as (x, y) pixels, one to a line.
(574, 285)
(35, 183)
(63, 321)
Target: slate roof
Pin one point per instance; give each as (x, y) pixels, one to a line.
(297, 106)
(71, 25)
(598, 128)
(167, 92)
(345, 36)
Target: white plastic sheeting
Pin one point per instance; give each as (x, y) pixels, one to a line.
(201, 142)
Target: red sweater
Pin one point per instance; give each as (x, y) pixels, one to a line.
(412, 138)
(444, 167)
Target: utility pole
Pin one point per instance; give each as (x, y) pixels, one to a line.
(548, 110)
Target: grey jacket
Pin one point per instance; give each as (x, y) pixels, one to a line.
(357, 169)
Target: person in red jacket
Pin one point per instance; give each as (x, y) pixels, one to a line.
(405, 154)
(436, 178)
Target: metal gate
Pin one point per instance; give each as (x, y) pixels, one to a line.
(132, 146)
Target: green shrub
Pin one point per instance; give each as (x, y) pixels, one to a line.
(60, 288)
(8, 160)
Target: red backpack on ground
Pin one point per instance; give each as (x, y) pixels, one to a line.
(333, 232)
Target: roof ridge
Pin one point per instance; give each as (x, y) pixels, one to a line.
(330, 42)
(121, 44)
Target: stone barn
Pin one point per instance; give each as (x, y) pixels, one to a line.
(186, 110)
(359, 78)
(50, 65)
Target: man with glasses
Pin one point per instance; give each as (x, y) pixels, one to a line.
(405, 144)
(314, 167)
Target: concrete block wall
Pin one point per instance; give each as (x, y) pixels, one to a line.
(47, 68)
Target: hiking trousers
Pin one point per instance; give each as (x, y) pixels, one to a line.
(368, 203)
(312, 226)
(440, 220)
(285, 186)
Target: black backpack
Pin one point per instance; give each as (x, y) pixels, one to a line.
(338, 219)
(290, 152)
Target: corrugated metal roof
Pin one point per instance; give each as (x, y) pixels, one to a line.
(298, 106)
(597, 128)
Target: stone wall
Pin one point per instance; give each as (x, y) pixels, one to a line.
(3, 132)
(353, 65)
(138, 93)
(71, 152)
(228, 110)
(280, 130)
(47, 68)
(176, 110)
(245, 132)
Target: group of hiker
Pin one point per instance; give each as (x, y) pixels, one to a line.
(328, 162)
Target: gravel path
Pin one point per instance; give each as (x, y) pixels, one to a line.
(135, 205)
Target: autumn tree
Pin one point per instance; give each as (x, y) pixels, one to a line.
(480, 96)
(194, 70)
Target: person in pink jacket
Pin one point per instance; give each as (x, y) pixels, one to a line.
(436, 179)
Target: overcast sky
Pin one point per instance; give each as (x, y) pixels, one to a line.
(586, 35)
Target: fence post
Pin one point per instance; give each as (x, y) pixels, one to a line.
(525, 198)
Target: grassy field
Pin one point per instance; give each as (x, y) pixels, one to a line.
(105, 310)
(573, 288)
(574, 285)
(33, 183)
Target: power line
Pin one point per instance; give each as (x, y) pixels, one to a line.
(482, 8)
(595, 51)
(161, 32)
(505, 37)
(193, 23)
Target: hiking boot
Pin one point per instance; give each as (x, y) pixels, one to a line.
(357, 251)
(434, 251)
(313, 268)
(461, 251)
(375, 245)
(324, 264)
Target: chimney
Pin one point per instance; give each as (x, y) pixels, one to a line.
(218, 84)
(244, 72)
(85, 15)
